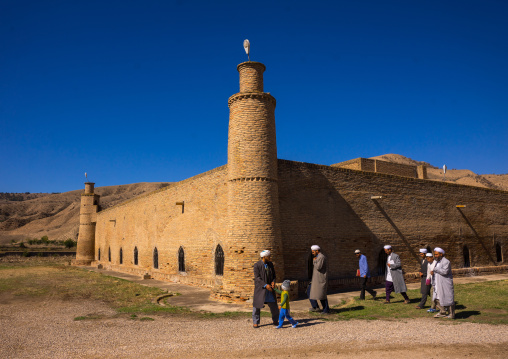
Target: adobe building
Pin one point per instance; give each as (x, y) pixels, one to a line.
(208, 230)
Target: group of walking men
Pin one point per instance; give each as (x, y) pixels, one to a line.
(435, 274)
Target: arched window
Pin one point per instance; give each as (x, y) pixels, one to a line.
(109, 254)
(155, 258)
(219, 260)
(467, 261)
(99, 254)
(181, 260)
(381, 262)
(499, 253)
(135, 256)
(121, 256)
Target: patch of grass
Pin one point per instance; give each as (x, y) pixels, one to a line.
(146, 319)
(88, 317)
(485, 302)
(71, 283)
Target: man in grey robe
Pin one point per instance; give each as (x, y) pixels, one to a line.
(319, 284)
(443, 289)
(424, 287)
(394, 278)
(264, 281)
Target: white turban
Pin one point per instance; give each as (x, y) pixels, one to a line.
(423, 250)
(440, 250)
(429, 255)
(265, 254)
(357, 251)
(388, 246)
(315, 248)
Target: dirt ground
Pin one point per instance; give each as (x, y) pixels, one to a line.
(47, 329)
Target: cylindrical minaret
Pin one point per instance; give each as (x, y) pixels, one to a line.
(253, 199)
(85, 251)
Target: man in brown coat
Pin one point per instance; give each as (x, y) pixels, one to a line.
(264, 281)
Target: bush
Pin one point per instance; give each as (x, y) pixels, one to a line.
(69, 243)
(45, 239)
(22, 245)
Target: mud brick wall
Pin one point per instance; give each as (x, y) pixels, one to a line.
(354, 164)
(154, 220)
(331, 207)
(370, 165)
(395, 169)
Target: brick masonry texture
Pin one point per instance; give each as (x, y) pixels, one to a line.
(332, 207)
(87, 219)
(259, 202)
(370, 165)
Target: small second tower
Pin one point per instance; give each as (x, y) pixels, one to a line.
(85, 251)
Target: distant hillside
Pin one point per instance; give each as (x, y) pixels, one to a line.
(6, 197)
(56, 215)
(394, 158)
(465, 177)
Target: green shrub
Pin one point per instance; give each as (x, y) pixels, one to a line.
(45, 239)
(69, 243)
(22, 245)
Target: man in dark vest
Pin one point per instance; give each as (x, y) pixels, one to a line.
(425, 288)
(264, 281)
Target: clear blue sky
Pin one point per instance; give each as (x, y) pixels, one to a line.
(136, 91)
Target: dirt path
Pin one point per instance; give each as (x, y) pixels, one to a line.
(47, 329)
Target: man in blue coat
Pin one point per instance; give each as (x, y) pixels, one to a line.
(364, 275)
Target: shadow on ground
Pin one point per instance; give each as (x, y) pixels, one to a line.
(466, 314)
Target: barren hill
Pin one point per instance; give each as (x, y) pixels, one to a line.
(465, 177)
(56, 215)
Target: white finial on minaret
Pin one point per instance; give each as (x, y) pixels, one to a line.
(86, 176)
(246, 46)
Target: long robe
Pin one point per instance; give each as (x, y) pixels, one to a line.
(319, 286)
(261, 278)
(424, 288)
(397, 277)
(443, 289)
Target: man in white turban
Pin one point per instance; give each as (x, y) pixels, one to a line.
(394, 279)
(319, 283)
(443, 288)
(431, 280)
(264, 282)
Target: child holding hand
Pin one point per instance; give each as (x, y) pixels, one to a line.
(284, 305)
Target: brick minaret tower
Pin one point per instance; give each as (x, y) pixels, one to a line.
(85, 251)
(253, 199)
